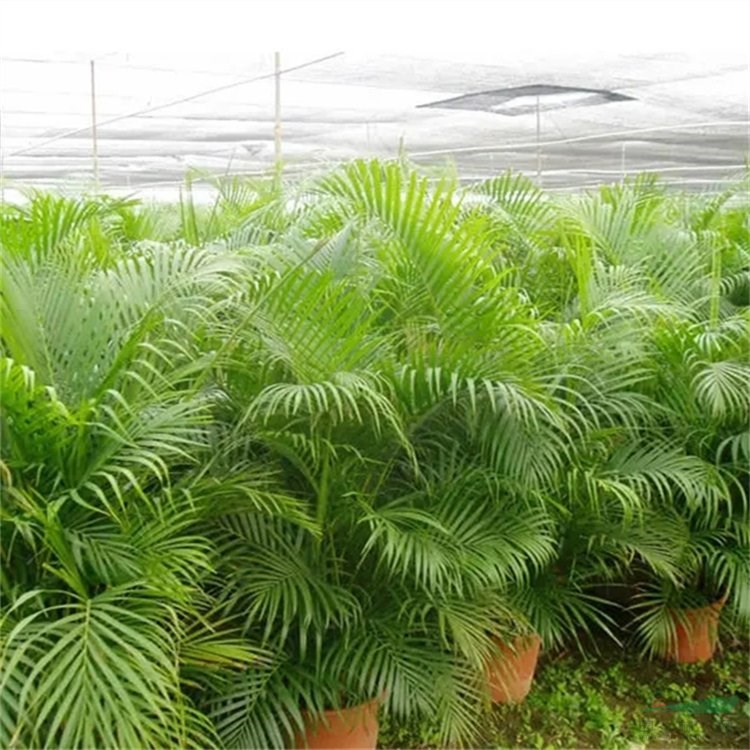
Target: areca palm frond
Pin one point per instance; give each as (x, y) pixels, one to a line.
(457, 546)
(77, 331)
(728, 565)
(48, 224)
(104, 414)
(261, 708)
(96, 672)
(560, 608)
(284, 590)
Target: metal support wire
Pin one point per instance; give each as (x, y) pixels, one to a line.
(175, 102)
(578, 138)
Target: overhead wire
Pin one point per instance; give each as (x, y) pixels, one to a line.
(120, 66)
(576, 139)
(174, 102)
(508, 147)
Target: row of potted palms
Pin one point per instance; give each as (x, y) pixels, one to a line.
(367, 441)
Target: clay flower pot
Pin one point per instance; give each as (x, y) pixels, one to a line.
(354, 728)
(510, 674)
(696, 634)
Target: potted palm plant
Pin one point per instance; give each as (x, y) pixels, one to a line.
(558, 607)
(390, 597)
(106, 627)
(679, 615)
(335, 386)
(702, 379)
(655, 340)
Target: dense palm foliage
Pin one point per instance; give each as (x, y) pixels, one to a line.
(312, 445)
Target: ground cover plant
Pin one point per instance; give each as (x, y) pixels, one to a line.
(331, 441)
(613, 699)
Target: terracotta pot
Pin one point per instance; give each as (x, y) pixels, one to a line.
(510, 674)
(354, 728)
(696, 632)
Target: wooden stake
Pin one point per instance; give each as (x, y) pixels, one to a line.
(538, 144)
(94, 145)
(277, 125)
(2, 164)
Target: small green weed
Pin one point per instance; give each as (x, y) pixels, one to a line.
(608, 702)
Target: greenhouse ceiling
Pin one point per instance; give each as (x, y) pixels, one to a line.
(571, 114)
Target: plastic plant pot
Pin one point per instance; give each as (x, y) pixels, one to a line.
(696, 634)
(511, 673)
(354, 728)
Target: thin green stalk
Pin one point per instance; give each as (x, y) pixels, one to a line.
(323, 490)
(715, 285)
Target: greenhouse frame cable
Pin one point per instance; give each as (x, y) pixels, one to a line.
(646, 168)
(305, 167)
(414, 154)
(140, 187)
(122, 66)
(577, 139)
(596, 185)
(175, 102)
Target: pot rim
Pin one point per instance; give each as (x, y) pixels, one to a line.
(333, 712)
(715, 605)
(524, 640)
